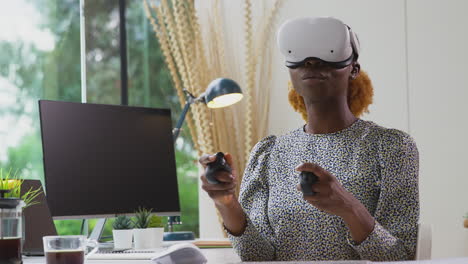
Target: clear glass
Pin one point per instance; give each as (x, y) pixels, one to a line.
(102, 52)
(40, 59)
(11, 234)
(66, 249)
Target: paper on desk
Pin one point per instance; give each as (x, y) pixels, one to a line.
(183, 253)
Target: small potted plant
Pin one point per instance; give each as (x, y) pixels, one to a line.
(149, 229)
(11, 181)
(465, 223)
(122, 232)
(142, 236)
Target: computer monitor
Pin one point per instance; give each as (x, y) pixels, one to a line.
(104, 160)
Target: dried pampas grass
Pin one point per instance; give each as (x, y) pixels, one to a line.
(195, 56)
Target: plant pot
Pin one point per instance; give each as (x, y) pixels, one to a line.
(142, 238)
(122, 238)
(148, 238)
(465, 223)
(158, 235)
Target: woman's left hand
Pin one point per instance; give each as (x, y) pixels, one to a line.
(330, 196)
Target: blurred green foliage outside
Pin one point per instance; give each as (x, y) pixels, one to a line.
(31, 70)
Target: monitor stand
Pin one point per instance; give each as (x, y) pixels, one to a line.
(98, 229)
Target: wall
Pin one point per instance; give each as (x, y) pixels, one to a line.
(438, 85)
(414, 52)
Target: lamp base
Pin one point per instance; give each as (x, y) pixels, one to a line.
(179, 236)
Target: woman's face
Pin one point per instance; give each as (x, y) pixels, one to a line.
(317, 81)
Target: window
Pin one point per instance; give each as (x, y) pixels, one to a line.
(40, 59)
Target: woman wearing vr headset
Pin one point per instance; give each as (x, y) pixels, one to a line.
(365, 203)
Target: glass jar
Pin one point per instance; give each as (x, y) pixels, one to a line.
(11, 210)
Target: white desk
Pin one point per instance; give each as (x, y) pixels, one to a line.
(214, 256)
(228, 256)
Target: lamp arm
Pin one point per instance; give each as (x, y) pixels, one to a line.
(176, 131)
(190, 100)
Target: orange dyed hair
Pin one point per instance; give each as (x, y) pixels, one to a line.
(359, 96)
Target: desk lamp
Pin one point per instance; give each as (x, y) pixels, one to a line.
(220, 93)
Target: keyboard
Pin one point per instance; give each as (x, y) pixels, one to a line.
(125, 254)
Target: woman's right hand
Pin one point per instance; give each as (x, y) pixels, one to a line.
(223, 194)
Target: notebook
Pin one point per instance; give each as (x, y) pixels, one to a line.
(37, 221)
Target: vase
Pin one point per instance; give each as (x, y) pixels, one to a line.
(122, 238)
(148, 238)
(157, 235)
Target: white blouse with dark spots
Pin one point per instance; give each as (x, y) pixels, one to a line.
(379, 166)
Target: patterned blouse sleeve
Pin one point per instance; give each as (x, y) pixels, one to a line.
(256, 243)
(396, 217)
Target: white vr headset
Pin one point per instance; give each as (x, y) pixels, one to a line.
(324, 38)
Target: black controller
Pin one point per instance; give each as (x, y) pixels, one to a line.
(219, 164)
(307, 180)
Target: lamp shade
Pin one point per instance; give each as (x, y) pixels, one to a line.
(222, 92)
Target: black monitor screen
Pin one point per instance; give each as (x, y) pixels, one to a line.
(103, 160)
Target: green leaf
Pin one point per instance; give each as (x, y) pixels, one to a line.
(11, 181)
(156, 221)
(122, 222)
(142, 218)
